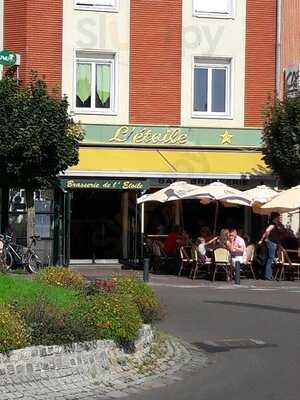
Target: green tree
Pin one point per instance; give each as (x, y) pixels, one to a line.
(38, 138)
(281, 139)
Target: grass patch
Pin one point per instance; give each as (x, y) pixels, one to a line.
(22, 291)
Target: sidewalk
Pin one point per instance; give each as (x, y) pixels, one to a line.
(184, 282)
(98, 272)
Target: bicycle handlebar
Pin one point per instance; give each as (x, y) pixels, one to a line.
(5, 237)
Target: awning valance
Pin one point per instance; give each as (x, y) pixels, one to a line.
(150, 161)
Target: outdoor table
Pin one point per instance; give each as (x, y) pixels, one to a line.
(157, 236)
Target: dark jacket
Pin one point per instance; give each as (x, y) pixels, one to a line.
(261, 254)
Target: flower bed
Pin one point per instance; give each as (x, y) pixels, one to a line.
(58, 308)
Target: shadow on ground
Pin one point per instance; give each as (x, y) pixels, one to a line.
(256, 306)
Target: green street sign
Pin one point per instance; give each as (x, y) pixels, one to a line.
(9, 58)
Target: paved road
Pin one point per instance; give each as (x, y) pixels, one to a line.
(238, 369)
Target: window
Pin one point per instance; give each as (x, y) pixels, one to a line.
(44, 221)
(95, 83)
(211, 88)
(101, 5)
(213, 8)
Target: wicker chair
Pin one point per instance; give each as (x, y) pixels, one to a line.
(248, 266)
(222, 263)
(286, 266)
(187, 260)
(201, 264)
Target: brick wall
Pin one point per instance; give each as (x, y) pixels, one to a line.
(14, 28)
(155, 61)
(260, 58)
(33, 28)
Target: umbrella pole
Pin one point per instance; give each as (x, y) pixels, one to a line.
(181, 213)
(216, 217)
(142, 229)
(177, 212)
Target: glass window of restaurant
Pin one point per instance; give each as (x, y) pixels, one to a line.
(44, 220)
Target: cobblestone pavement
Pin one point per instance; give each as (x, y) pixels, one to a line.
(167, 363)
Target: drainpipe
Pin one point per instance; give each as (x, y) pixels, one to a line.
(278, 46)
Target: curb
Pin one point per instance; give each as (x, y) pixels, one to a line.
(165, 364)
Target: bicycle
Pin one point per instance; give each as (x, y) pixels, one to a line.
(3, 266)
(26, 256)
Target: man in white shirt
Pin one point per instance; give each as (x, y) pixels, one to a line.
(237, 247)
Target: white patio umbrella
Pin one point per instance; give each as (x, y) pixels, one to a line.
(175, 191)
(219, 192)
(286, 201)
(261, 195)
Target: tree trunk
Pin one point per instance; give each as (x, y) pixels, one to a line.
(30, 214)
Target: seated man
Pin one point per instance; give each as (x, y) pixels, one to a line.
(236, 246)
(171, 242)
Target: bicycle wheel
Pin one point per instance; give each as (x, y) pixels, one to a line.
(34, 263)
(8, 259)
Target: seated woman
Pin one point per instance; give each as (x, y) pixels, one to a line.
(222, 239)
(218, 241)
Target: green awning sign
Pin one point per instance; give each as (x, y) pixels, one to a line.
(9, 58)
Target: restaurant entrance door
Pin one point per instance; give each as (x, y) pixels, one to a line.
(96, 225)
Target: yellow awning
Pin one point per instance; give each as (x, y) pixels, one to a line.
(169, 161)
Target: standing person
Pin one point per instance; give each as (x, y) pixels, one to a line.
(272, 237)
(236, 246)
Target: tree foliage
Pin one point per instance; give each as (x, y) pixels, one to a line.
(38, 138)
(281, 139)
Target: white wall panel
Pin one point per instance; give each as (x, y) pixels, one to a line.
(103, 32)
(214, 38)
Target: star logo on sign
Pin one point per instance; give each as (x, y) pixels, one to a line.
(226, 138)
